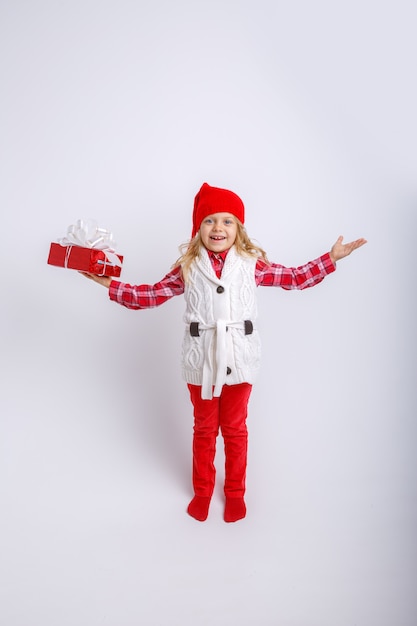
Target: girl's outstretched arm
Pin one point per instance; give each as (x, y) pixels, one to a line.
(142, 296)
(340, 249)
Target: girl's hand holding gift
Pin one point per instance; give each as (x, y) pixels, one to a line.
(101, 280)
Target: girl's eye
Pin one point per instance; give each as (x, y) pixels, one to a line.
(228, 222)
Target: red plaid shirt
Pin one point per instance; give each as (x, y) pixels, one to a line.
(266, 275)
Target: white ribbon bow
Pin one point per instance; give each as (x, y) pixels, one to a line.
(87, 234)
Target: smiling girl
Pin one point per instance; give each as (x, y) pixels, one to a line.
(218, 273)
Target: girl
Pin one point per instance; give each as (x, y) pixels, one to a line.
(218, 273)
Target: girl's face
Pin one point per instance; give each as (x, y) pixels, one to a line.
(218, 231)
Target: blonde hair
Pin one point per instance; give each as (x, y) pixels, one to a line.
(244, 246)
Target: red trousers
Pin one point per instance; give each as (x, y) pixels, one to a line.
(227, 413)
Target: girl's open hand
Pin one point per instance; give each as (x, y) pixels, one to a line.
(340, 249)
(101, 280)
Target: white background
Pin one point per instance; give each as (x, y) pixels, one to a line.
(119, 111)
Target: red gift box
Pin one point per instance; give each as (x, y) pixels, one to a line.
(89, 260)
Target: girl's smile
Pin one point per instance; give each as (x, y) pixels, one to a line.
(218, 231)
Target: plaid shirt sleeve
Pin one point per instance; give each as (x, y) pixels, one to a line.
(302, 277)
(147, 296)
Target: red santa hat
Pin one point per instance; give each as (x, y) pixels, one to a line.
(211, 200)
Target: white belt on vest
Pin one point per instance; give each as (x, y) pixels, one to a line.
(215, 332)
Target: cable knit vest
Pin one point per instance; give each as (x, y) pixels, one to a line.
(222, 353)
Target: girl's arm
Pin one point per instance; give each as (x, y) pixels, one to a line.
(142, 296)
(304, 276)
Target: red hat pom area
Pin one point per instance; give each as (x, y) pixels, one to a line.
(210, 200)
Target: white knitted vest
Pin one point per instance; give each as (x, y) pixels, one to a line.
(222, 354)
